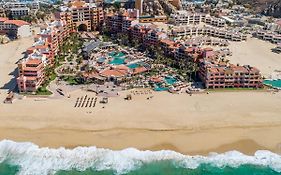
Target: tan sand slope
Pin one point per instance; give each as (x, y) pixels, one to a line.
(188, 124)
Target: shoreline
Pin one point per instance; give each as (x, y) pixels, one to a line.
(190, 145)
(190, 125)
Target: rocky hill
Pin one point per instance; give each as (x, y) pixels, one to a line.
(273, 9)
(268, 7)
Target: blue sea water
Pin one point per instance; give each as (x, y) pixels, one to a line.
(29, 159)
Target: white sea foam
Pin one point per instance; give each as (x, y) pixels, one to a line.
(44, 161)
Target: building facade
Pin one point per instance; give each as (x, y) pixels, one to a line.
(31, 75)
(82, 16)
(15, 28)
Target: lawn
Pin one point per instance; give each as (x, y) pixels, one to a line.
(43, 91)
(234, 89)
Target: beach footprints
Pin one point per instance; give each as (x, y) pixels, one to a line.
(85, 102)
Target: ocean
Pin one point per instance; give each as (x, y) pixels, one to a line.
(28, 159)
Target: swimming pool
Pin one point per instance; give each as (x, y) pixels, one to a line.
(273, 83)
(170, 80)
(116, 55)
(117, 61)
(101, 60)
(118, 58)
(133, 66)
(159, 88)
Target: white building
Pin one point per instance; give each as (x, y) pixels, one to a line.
(183, 17)
(15, 28)
(18, 12)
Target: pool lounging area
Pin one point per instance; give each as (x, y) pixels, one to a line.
(116, 55)
(159, 88)
(117, 61)
(273, 83)
(133, 66)
(118, 58)
(170, 80)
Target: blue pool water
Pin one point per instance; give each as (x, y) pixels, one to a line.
(118, 58)
(117, 61)
(116, 55)
(273, 83)
(160, 88)
(170, 80)
(133, 66)
(101, 60)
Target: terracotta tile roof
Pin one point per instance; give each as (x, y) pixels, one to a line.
(139, 70)
(122, 67)
(78, 3)
(90, 75)
(113, 72)
(156, 79)
(33, 61)
(3, 19)
(167, 41)
(16, 22)
(239, 69)
(208, 49)
(34, 69)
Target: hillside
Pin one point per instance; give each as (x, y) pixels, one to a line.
(268, 7)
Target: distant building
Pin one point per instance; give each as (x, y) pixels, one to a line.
(121, 21)
(15, 28)
(82, 16)
(183, 17)
(17, 9)
(139, 5)
(150, 19)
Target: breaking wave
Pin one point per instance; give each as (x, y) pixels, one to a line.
(34, 160)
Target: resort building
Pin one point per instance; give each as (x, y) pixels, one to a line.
(150, 19)
(15, 28)
(153, 37)
(213, 21)
(216, 73)
(209, 31)
(17, 9)
(53, 36)
(183, 17)
(139, 6)
(138, 32)
(122, 20)
(82, 16)
(268, 36)
(31, 75)
(40, 54)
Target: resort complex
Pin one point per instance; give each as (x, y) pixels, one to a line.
(131, 49)
(143, 87)
(185, 41)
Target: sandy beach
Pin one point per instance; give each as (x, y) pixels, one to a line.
(220, 121)
(244, 121)
(256, 52)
